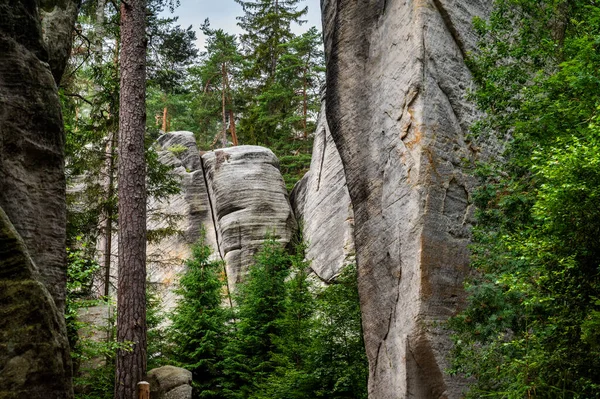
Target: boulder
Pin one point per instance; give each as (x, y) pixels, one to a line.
(396, 107)
(170, 382)
(249, 202)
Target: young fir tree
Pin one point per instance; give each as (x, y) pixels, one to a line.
(198, 330)
(337, 359)
(529, 328)
(260, 305)
(289, 376)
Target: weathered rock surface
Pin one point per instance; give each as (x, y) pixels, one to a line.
(322, 204)
(58, 18)
(190, 209)
(249, 201)
(32, 181)
(170, 382)
(396, 80)
(34, 353)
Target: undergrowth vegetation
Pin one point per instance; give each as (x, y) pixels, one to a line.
(531, 326)
(286, 336)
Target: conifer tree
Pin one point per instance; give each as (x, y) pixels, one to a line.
(267, 25)
(199, 322)
(248, 355)
(217, 84)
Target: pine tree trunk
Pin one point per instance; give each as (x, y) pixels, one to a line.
(165, 127)
(232, 130)
(305, 105)
(234, 138)
(108, 212)
(223, 90)
(131, 298)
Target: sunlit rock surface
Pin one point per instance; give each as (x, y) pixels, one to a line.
(189, 213)
(249, 202)
(396, 85)
(322, 205)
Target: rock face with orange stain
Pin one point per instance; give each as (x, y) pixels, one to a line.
(396, 108)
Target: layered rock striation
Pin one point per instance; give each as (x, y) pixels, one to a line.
(249, 202)
(396, 85)
(189, 213)
(34, 352)
(323, 208)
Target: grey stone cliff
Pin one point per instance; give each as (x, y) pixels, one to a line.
(396, 84)
(322, 205)
(190, 210)
(249, 201)
(34, 353)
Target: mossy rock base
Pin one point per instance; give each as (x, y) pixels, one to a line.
(34, 351)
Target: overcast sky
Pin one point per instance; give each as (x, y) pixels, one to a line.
(223, 13)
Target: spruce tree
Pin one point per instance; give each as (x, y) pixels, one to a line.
(260, 299)
(198, 329)
(267, 25)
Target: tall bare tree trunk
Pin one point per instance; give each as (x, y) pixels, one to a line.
(223, 91)
(131, 294)
(232, 130)
(304, 103)
(164, 120)
(108, 211)
(234, 138)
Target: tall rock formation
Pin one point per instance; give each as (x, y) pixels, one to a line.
(396, 83)
(190, 211)
(322, 205)
(237, 195)
(34, 354)
(249, 202)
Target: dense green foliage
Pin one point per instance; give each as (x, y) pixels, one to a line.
(285, 339)
(260, 88)
(531, 326)
(199, 322)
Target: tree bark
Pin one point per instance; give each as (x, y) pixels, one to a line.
(223, 89)
(164, 120)
(304, 103)
(234, 138)
(108, 212)
(232, 129)
(131, 294)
